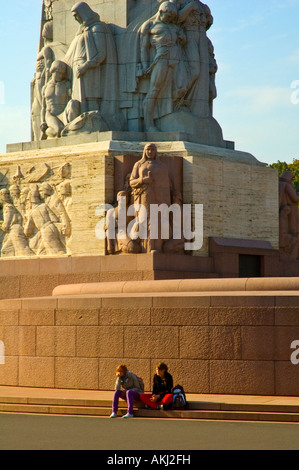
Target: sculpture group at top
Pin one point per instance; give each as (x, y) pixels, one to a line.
(156, 74)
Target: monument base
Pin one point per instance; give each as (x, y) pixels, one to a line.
(238, 193)
(217, 336)
(38, 277)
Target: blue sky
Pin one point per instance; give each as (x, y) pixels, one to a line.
(257, 49)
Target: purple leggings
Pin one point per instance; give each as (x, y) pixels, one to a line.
(129, 396)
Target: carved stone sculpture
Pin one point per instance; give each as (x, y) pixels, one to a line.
(41, 218)
(118, 239)
(195, 18)
(148, 215)
(93, 60)
(151, 184)
(56, 205)
(191, 64)
(64, 191)
(288, 217)
(14, 242)
(48, 9)
(157, 74)
(56, 95)
(167, 71)
(43, 65)
(36, 219)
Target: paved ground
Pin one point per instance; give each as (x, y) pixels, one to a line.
(39, 432)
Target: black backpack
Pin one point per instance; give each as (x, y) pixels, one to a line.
(179, 401)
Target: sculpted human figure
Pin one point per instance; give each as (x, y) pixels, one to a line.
(46, 55)
(162, 61)
(25, 205)
(42, 220)
(288, 242)
(288, 213)
(118, 238)
(92, 58)
(64, 191)
(56, 95)
(213, 67)
(151, 185)
(54, 203)
(14, 242)
(289, 197)
(15, 194)
(196, 19)
(43, 64)
(37, 86)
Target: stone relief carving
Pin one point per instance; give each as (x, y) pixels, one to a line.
(160, 76)
(43, 65)
(48, 9)
(149, 184)
(288, 218)
(36, 214)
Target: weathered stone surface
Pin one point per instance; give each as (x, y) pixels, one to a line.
(179, 316)
(120, 80)
(92, 175)
(242, 377)
(36, 372)
(80, 346)
(77, 373)
(258, 342)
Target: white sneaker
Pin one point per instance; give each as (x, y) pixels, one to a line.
(113, 415)
(128, 416)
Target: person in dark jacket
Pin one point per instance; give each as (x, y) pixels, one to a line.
(162, 385)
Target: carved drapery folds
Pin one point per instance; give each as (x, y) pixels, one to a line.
(158, 75)
(36, 213)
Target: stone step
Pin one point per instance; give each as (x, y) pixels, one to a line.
(106, 403)
(196, 411)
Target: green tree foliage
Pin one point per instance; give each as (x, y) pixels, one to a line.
(293, 167)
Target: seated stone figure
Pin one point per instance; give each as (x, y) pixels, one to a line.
(56, 96)
(118, 238)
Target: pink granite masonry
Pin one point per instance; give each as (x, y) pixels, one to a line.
(213, 342)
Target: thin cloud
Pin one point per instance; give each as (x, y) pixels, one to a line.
(262, 99)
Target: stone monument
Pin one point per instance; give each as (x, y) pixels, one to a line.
(155, 73)
(122, 125)
(111, 77)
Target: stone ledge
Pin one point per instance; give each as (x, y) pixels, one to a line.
(110, 135)
(181, 286)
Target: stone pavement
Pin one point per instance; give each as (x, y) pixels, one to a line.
(53, 419)
(44, 432)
